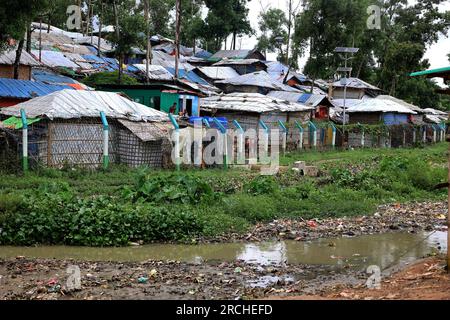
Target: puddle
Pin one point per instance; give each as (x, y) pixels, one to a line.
(382, 250)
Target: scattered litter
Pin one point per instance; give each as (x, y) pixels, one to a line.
(143, 280)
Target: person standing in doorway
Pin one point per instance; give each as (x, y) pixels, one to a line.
(173, 108)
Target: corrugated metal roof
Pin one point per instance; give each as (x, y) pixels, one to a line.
(8, 57)
(25, 89)
(339, 103)
(73, 104)
(250, 102)
(379, 105)
(284, 95)
(258, 79)
(219, 73)
(357, 84)
(155, 72)
(403, 103)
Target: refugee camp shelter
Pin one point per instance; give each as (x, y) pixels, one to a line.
(243, 66)
(257, 82)
(375, 111)
(356, 89)
(160, 96)
(415, 119)
(237, 55)
(213, 74)
(67, 130)
(249, 108)
(319, 102)
(7, 60)
(13, 91)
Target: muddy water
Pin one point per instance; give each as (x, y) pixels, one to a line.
(382, 250)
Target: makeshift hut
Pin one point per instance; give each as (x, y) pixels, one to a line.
(7, 60)
(161, 96)
(249, 108)
(385, 111)
(13, 91)
(213, 74)
(356, 89)
(257, 82)
(67, 129)
(375, 111)
(244, 66)
(319, 102)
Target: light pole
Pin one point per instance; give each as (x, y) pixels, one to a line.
(346, 51)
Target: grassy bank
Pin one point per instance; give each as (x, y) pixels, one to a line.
(78, 207)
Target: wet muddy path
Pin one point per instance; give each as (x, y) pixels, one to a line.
(208, 271)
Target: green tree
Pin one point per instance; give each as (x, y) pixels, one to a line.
(387, 56)
(225, 17)
(272, 24)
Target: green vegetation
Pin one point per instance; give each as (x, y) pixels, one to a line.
(108, 78)
(110, 208)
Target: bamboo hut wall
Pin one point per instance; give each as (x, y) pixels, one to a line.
(78, 143)
(134, 152)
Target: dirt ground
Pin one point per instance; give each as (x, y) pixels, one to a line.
(410, 217)
(424, 280)
(35, 279)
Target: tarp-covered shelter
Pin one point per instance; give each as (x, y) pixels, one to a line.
(7, 60)
(318, 101)
(374, 111)
(13, 91)
(242, 66)
(356, 89)
(70, 131)
(212, 74)
(257, 82)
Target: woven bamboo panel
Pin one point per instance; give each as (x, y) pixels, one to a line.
(134, 152)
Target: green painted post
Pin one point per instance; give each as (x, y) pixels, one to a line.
(105, 140)
(177, 141)
(25, 164)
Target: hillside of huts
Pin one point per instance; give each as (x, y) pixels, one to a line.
(237, 86)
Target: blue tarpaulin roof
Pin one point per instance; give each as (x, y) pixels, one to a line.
(203, 54)
(25, 89)
(191, 76)
(304, 97)
(105, 64)
(49, 77)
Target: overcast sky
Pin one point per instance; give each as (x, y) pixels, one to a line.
(437, 54)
